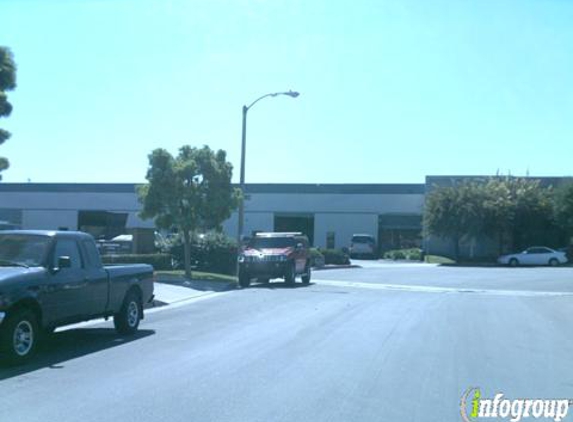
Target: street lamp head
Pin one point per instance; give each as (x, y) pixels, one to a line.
(293, 94)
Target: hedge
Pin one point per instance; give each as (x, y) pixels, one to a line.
(413, 254)
(158, 261)
(214, 252)
(316, 258)
(335, 257)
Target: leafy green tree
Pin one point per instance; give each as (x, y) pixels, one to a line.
(533, 213)
(7, 83)
(455, 212)
(190, 192)
(518, 212)
(514, 211)
(499, 210)
(563, 208)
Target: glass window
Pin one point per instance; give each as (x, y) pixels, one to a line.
(92, 254)
(27, 250)
(271, 242)
(65, 247)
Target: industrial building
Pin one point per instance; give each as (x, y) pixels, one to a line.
(328, 213)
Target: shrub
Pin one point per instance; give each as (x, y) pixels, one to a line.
(160, 261)
(335, 257)
(316, 258)
(211, 252)
(413, 254)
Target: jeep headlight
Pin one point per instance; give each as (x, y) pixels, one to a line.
(241, 258)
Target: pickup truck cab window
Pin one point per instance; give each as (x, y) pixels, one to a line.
(67, 247)
(92, 258)
(28, 250)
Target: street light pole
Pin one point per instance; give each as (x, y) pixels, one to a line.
(241, 223)
(242, 180)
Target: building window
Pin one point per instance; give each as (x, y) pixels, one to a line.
(330, 240)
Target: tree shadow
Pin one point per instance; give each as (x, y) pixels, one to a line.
(70, 344)
(273, 285)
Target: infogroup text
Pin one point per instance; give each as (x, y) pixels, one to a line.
(474, 407)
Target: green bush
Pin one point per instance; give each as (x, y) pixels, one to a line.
(316, 258)
(335, 257)
(159, 261)
(413, 254)
(210, 252)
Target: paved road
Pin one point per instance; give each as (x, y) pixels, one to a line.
(558, 279)
(326, 352)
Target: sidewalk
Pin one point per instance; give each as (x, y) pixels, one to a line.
(166, 294)
(170, 290)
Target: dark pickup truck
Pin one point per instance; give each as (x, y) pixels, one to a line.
(54, 278)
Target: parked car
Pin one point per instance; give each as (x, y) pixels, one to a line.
(54, 278)
(275, 255)
(363, 246)
(536, 255)
(122, 244)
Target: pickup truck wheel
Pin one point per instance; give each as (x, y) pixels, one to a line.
(20, 336)
(127, 320)
(306, 276)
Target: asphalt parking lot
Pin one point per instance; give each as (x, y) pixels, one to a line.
(391, 342)
(413, 275)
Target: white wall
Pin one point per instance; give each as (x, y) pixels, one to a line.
(71, 200)
(259, 221)
(344, 226)
(314, 203)
(343, 213)
(52, 220)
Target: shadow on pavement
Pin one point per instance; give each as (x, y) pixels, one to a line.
(279, 285)
(63, 346)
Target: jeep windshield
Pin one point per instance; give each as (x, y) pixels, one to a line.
(271, 242)
(18, 250)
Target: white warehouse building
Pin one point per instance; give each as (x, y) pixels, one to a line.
(328, 213)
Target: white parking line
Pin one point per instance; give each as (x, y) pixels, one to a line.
(434, 289)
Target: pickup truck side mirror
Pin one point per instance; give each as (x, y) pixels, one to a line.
(64, 262)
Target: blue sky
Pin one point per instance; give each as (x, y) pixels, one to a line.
(391, 91)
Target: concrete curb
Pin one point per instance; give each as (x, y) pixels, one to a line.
(201, 285)
(335, 267)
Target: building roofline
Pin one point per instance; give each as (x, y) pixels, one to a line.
(262, 188)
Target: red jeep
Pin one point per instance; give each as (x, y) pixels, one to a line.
(275, 255)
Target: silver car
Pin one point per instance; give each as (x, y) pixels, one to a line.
(536, 255)
(363, 245)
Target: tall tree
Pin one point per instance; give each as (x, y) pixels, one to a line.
(563, 209)
(455, 212)
(518, 212)
(533, 212)
(7, 83)
(190, 192)
(499, 210)
(514, 211)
